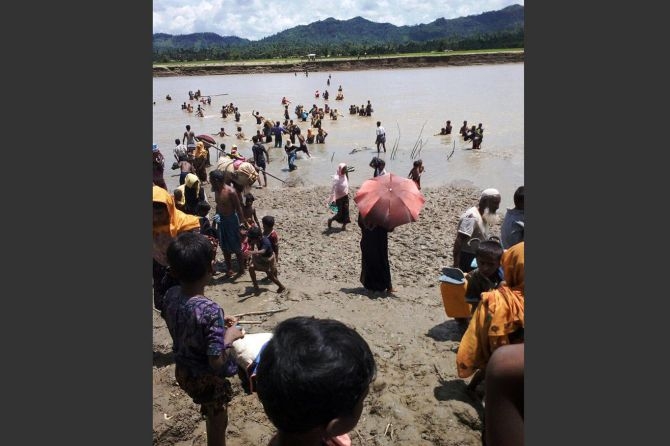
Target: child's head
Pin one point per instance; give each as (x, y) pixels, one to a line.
(488, 257)
(268, 221)
(190, 257)
(254, 233)
(249, 199)
(177, 194)
(519, 195)
(418, 163)
(202, 208)
(314, 373)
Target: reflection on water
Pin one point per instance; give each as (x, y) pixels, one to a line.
(412, 104)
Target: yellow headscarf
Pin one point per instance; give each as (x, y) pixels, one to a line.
(192, 179)
(513, 265)
(200, 151)
(500, 313)
(179, 221)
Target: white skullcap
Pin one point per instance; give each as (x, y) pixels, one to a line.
(490, 192)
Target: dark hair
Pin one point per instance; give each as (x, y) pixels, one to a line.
(268, 220)
(202, 208)
(417, 163)
(190, 256)
(250, 197)
(312, 371)
(254, 232)
(490, 248)
(519, 197)
(216, 175)
(177, 141)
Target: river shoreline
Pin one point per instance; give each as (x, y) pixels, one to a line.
(366, 63)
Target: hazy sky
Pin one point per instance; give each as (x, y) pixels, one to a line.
(255, 19)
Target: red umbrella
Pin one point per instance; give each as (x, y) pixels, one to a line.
(389, 201)
(206, 138)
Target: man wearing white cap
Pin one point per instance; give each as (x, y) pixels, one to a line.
(475, 224)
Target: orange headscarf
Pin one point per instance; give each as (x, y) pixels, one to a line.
(513, 266)
(179, 221)
(200, 151)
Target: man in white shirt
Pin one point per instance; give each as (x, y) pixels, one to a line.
(179, 150)
(381, 137)
(475, 223)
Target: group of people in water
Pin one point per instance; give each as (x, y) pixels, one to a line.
(475, 134)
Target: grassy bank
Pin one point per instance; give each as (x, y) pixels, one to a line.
(339, 63)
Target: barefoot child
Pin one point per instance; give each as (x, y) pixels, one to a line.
(201, 335)
(249, 211)
(262, 258)
(269, 232)
(415, 173)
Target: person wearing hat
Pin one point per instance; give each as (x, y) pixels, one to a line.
(474, 226)
(158, 168)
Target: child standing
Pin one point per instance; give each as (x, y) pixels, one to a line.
(269, 232)
(249, 212)
(488, 274)
(312, 379)
(262, 258)
(415, 173)
(202, 336)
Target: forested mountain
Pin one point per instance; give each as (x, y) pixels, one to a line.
(357, 36)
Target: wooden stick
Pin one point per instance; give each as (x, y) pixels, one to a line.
(452, 151)
(260, 312)
(250, 322)
(268, 173)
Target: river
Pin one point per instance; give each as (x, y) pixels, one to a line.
(411, 103)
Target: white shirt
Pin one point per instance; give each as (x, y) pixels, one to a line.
(180, 150)
(472, 225)
(381, 130)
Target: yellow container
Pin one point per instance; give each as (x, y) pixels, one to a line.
(453, 286)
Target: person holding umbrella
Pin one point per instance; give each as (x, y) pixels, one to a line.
(375, 266)
(384, 202)
(340, 195)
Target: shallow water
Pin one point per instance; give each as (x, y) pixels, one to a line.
(412, 104)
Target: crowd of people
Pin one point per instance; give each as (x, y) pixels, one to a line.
(321, 407)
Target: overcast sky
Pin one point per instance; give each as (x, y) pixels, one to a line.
(255, 19)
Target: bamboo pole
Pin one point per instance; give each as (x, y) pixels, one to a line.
(260, 312)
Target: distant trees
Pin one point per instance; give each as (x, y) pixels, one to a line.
(352, 38)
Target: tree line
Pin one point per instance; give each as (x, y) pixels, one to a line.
(256, 50)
